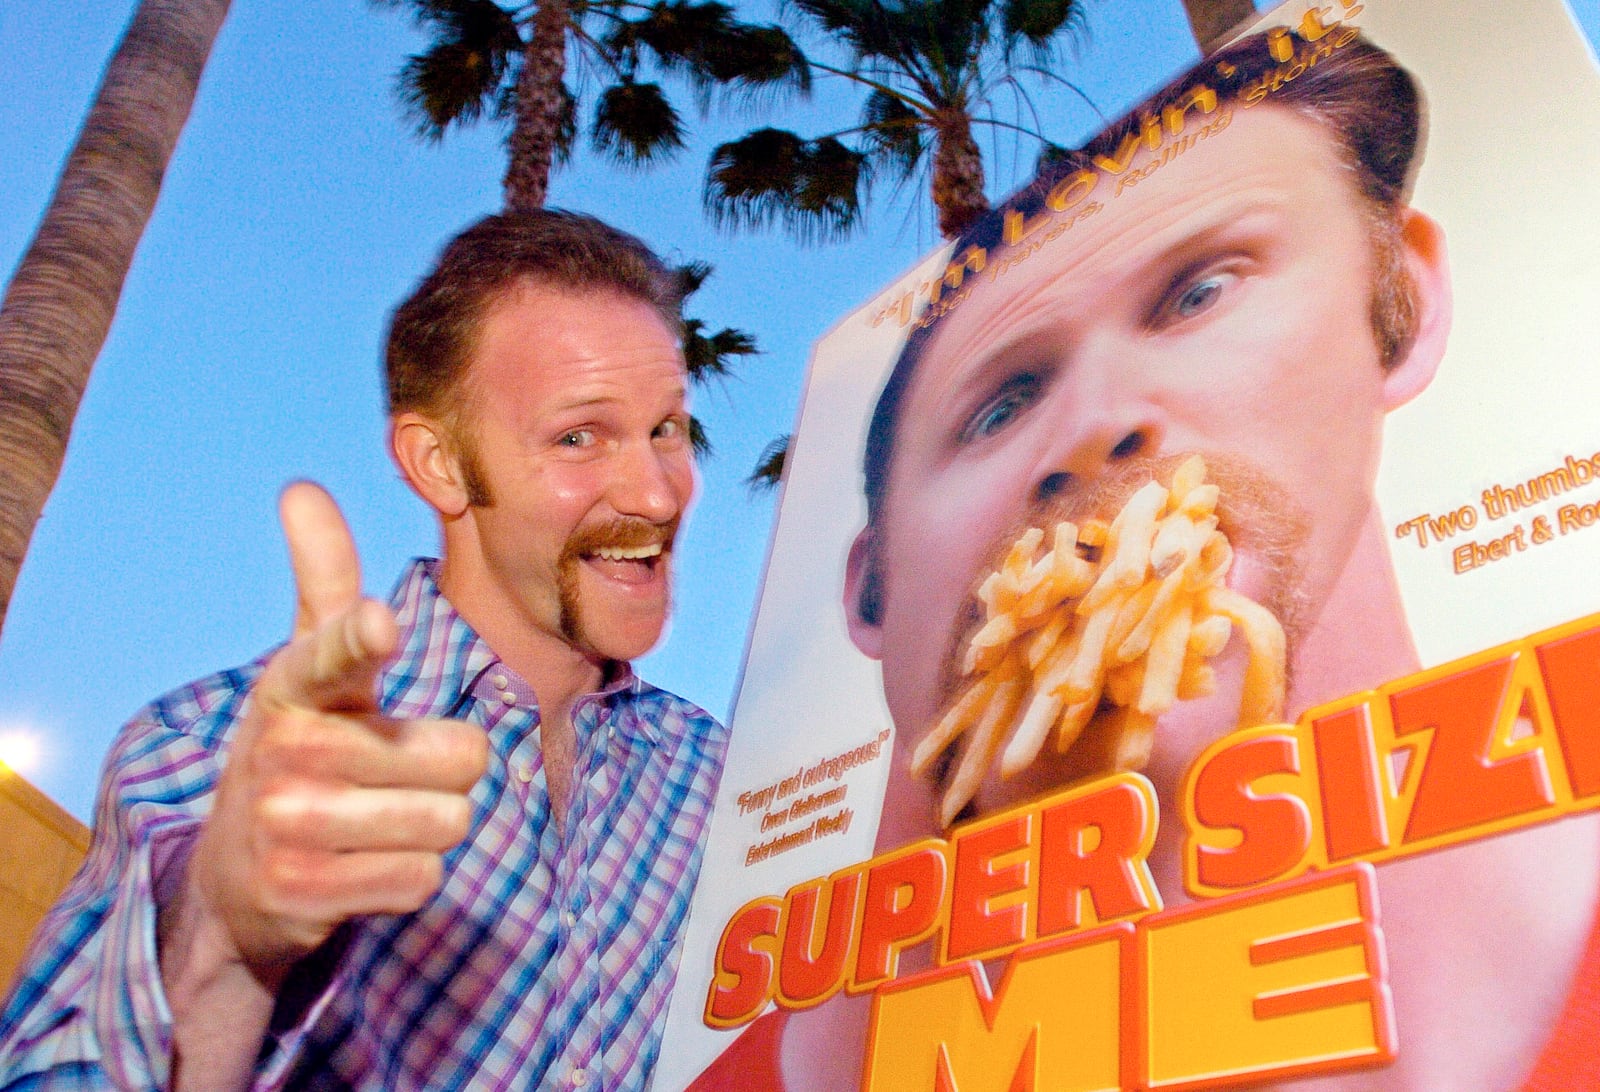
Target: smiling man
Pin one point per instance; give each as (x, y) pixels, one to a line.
(1235, 272)
(446, 842)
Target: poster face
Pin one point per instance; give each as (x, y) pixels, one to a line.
(1179, 662)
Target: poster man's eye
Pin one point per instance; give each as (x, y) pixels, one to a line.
(1200, 294)
(1014, 396)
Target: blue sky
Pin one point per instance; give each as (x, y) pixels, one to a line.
(298, 210)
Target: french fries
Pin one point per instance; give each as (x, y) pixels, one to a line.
(1112, 624)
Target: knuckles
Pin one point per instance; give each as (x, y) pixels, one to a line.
(295, 740)
(352, 819)
(424, 878)
(454, 753)
(293, 880)
(311, 890)
(446, 755)
(335, 813)
(455, 822)
(291, 818)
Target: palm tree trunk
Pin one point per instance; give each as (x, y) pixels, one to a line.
(539, 105)
(1212, 20)
(58, 308)
(957, 174)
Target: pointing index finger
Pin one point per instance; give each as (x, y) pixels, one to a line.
(327, 570)
(340, 640)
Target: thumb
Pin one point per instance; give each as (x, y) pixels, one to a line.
(327, 570)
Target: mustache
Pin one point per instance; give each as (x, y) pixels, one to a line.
(1257, 514)
(623, 533)
(1255, 511)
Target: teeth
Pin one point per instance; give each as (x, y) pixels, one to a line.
(632, 553)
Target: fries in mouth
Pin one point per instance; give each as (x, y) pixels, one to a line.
(1111, 624)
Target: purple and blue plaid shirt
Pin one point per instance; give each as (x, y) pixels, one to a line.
(544, 962)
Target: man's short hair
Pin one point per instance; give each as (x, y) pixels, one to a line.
(433, 333)
(1369, 104)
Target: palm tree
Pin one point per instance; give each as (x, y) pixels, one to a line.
(490, 60)
(509, 61)
(707, 356)
(930, 70)
(929, 67)
(59, 306)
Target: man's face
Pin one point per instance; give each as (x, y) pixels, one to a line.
(1222, 306)
(575, 418)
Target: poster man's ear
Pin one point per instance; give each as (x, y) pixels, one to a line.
(863, 595)
(1423, 250)
(424, 454)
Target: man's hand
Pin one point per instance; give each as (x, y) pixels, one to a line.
(325, 808)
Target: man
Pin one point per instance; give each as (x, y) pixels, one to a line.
(1231, 302)
(1241, 278)
(449, 842)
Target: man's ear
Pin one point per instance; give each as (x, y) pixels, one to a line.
(1423, 251)
(422, 450)
(863, 595)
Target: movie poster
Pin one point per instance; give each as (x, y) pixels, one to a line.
(1178, 664)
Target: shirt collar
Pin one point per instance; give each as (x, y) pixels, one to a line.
(440, 655)
(623, 690)
(441, 659)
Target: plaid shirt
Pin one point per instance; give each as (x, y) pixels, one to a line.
(544, 962)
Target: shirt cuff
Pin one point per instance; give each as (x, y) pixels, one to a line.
(157, 877)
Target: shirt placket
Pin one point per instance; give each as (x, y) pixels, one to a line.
(583, 1054)
(518, 715)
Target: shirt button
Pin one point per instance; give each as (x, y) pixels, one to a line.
(508, 697)
(501, 682)
(569, 920)
(524, 773)
(580, 1077)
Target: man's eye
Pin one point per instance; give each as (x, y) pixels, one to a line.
(995, 414)
(670, 429)
(1200, 295)
(578, 437)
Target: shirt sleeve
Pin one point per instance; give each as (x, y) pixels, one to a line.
(88, 1010)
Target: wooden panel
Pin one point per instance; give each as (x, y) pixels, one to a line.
(41, 847)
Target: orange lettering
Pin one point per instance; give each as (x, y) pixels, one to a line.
(976, 881)
(1461, 786)
(1353, 820)
(742, 984)
(1110, 873)
(905, 892)
(1275, 828)
(812, 972)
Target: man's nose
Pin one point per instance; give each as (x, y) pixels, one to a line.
(1104, 417)
(649, 484)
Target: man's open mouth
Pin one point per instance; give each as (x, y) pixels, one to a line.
(627, 564)
(628, 553)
